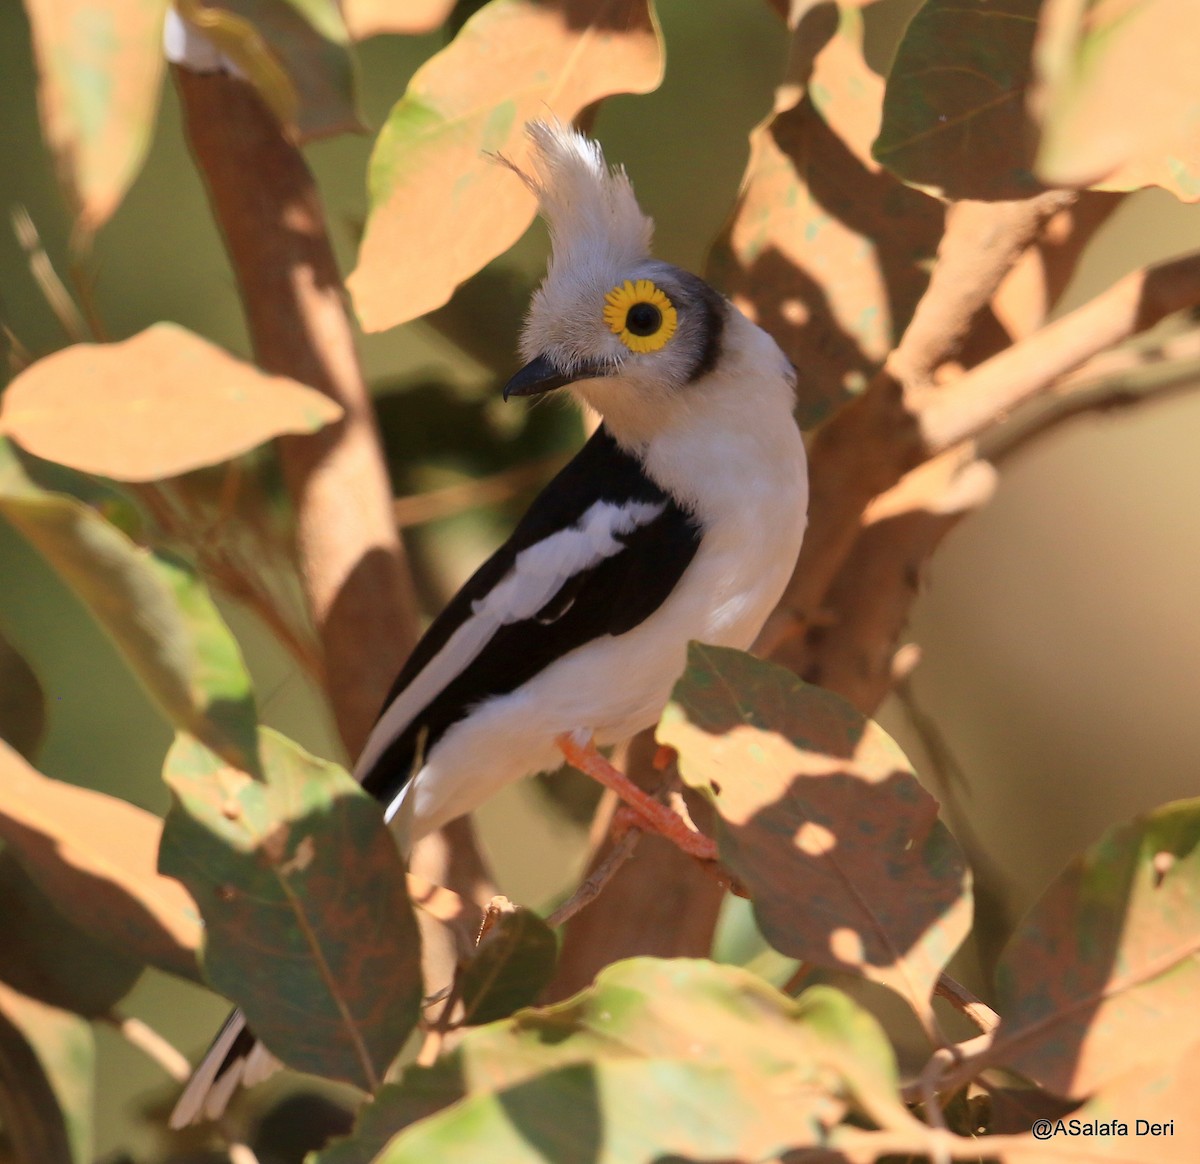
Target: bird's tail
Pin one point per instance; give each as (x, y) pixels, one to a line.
(235, 1059)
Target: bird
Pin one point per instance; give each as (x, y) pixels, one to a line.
(681, 518)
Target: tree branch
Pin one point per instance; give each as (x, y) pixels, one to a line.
(984, 396)
(351, 562)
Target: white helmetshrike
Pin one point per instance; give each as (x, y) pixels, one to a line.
(681, 518)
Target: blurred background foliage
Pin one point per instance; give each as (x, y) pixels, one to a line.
(1057, 627)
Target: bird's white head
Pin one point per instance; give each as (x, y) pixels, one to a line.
(631, 335)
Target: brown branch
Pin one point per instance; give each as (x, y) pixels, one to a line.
(1111, 386)
(1031, 289)
(978, 1011)
(983, 241)
(351, 562)
(874, 591)
(985, 395)
(870, 444)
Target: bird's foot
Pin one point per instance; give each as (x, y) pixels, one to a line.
(654, 816)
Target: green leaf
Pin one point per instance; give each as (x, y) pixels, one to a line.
(47, 1059)
(154, 608)
(100, 66)
(440, 206)
(616, 1112)
(309, 40)
(817, 805)
(1102, 974)
(45, 957)
(710, 1017)
(94, 857)
(308, 923)
(954, 112)
(510, 968)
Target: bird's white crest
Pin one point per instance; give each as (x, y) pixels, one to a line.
(590, 209)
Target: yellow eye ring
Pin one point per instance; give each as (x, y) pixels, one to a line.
(640, 315)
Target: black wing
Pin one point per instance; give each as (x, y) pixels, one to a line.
(609, 597)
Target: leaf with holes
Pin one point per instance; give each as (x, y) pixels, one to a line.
(820, 815)
(91, 406)
(826, 249)
(440, 206)
(153, 607)
(1103, 972)
(308, 926)
(954, 112)
(821, 1051)
(510, 968)
(47, 1059)
(1115, 94)
(94, 856)
(100, 67)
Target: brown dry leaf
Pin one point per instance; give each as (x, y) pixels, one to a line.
(826, 249)
(440, 208)
(366, 18)
(821, 817)
(1159, 1095)
(954, 115)
(162, 403)
(96, 858)
(1103, 971)
(100, 66)
(1115, 91)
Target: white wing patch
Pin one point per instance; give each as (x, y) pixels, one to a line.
(537, 575)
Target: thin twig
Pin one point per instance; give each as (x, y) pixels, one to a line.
(451, 500)
(985, 395)
(1166, 380)
(147, 1040)
(978, 1011)
(57, 297)
(351, 562)
(592, 886)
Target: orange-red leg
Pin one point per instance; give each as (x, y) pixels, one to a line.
(655, 816)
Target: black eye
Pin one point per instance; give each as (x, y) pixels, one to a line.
(643, 319)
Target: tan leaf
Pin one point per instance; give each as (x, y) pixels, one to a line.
(159, 404)
(440, 207)
(96, 858)
(100, 65)
(1115, 88)
(366, 18)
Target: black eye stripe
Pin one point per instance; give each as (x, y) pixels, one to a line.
(643, 319)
